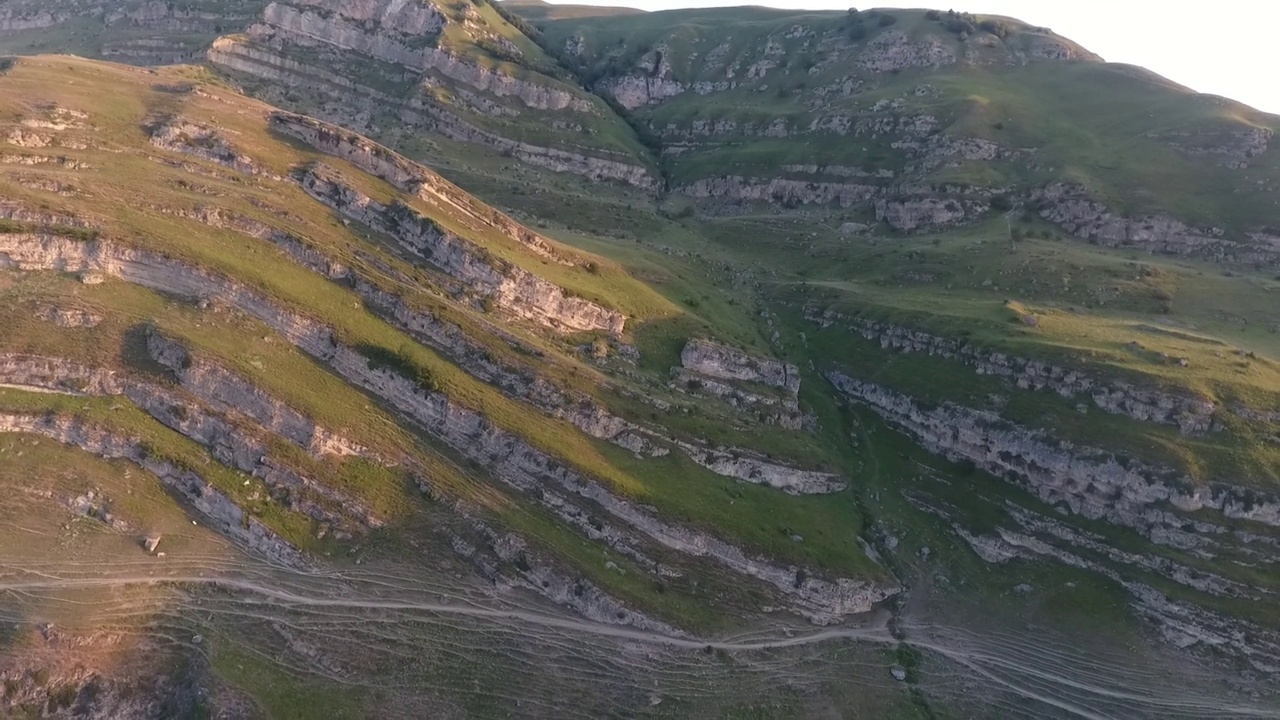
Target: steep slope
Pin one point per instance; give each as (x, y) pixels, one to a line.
(336, 328)
(933, 329)
(932, 121)
(146, 32)
(462, 71)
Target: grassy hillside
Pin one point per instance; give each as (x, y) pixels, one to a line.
(1035, 439)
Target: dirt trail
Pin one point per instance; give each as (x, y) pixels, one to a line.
(1076, 687)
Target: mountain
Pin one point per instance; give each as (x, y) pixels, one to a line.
(381, 358)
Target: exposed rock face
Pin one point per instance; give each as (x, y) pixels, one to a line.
(228, 438)
(891, 51)
(353, 103)
(511, 288)
(69, 317)
(1179, 623)
(1233, 148)
(184, 136)
(1079, 214)
(749, 467)
(915, 214)
(214, 505)
(782, 411)
(1091, 482)
(540, 576)
(516, 382)
(13, 19)
(719, 361)
(780, 190)
(409, 176)
(651, 81)
(509, 457)
(227, 391)
(401, 33)
(1191, 414)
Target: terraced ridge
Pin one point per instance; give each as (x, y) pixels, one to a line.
(933, 337)
(283, 317)
(462, 71)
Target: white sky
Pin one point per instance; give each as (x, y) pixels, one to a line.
(1224, 47)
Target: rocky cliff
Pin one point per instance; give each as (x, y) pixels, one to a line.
(214, 505)
(1089, 481)
(510, 458)
(1193, 415)
(434, 66)
(511, 288)
(719, 361)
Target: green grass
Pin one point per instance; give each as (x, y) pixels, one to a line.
(281, 695)
(764, 519)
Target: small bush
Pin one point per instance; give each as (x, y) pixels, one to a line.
(857, 31)
(886, 20)
(995, 27)
(378, 358)
(933, 15)
(1003, 203)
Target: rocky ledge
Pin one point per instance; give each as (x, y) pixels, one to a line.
(228, 517)
(411, 177)
(507, 456)
(720, 361)
(1192, 414)
(403, 33)
(513, 289)
(1091, 482)
(353, 104)
(1072, 207)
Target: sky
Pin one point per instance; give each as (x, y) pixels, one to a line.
(1224, 47)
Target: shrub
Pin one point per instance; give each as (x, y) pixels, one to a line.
(933, 15)
(857, 30)
(886, 20)
(995, 27)
(377, 357)
(960, 22)
(1002, 203)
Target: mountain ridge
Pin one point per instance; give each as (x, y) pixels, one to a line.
(631, 336)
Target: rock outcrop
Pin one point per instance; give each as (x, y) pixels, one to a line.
(1091, 482)
(1073, 208)
(1193, 415)
(410, 177)
(524, 384)
(402, 33)
(507, 456)
(191, 138)
(928, 213)
(1233, 148)
(720, 361)
(219, 509)
(513, 289)
(893, 51)
(353, 103)
(228, 392)
(780, 191)
(225, 433)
